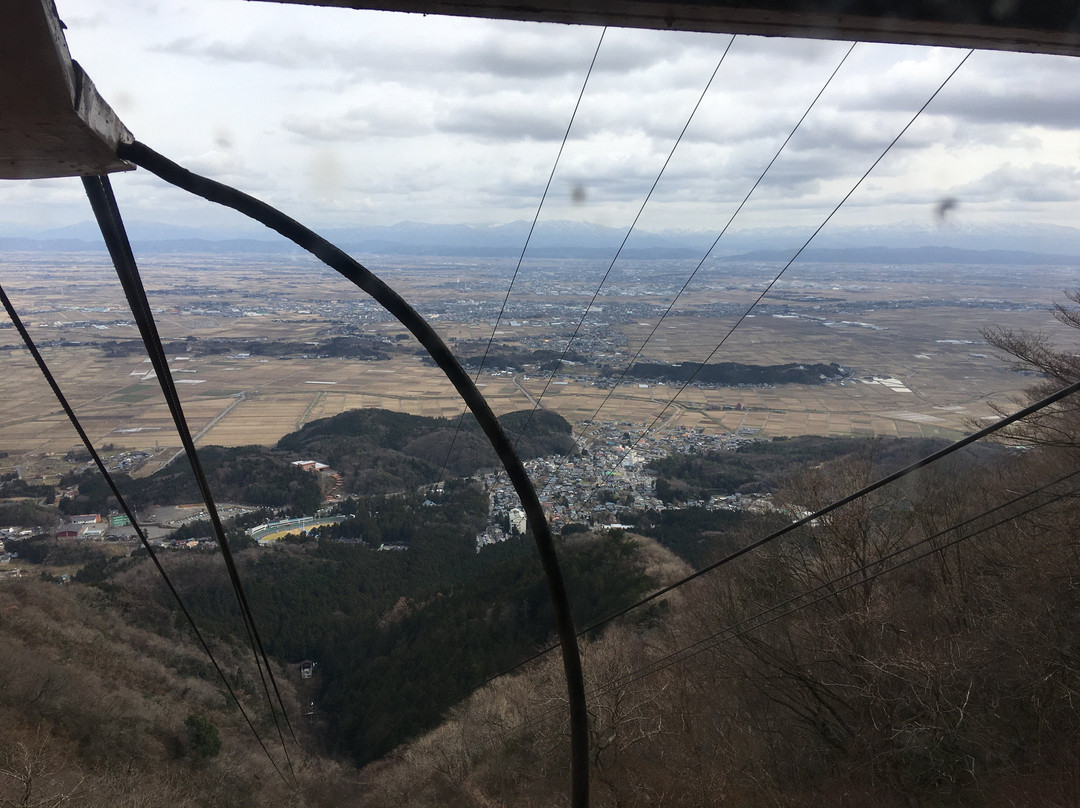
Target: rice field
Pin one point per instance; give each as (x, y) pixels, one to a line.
(915, 373)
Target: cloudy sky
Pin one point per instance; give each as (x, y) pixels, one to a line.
(343, 117)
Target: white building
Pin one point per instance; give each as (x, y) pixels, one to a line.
(518, 521)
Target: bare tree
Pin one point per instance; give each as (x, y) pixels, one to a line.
(1058, 426)
(34, 775)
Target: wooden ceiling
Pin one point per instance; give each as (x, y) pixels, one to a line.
(1039, 26)
(54, 123)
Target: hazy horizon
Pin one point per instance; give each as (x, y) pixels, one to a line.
(343, 117)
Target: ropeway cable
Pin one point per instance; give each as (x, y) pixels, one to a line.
(708, 252)
(99, 192)
(618, 252)
(129, 513)
(862, 492)
(525, 247)
(364, 279)
(799, 252)
(823, 591)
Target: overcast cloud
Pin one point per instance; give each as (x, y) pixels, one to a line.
(344, 117)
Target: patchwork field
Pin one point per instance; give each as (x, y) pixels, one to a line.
(919, 364)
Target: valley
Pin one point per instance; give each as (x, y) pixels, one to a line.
(393, 622)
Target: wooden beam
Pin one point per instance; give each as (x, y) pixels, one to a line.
(53, 122)
(1038, 26)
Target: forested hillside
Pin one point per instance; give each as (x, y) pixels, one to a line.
(253, 475)
(106, 702)
(765, 466)
(811, 673)
(917, 646)
(382, 451)
(399, 635)
(375, 451)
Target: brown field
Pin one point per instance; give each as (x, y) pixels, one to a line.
(936, 352)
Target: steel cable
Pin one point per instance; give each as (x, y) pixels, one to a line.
(129, 513)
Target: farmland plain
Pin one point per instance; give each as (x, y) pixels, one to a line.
(910, 337)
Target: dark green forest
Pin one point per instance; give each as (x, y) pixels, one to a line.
(375, 451)
(734, 373)
(336, 347)
(400, 636)
(763, 467)
(381, 451)
(700, 536)
(253, 475)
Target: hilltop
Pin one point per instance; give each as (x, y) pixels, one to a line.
(378, 450)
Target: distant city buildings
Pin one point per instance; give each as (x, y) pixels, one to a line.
(612, 459)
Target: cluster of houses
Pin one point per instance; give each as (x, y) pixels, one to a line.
(7, 553)
(615, 460)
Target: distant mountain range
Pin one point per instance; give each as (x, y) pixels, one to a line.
(1021, 244)
(913, 255)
